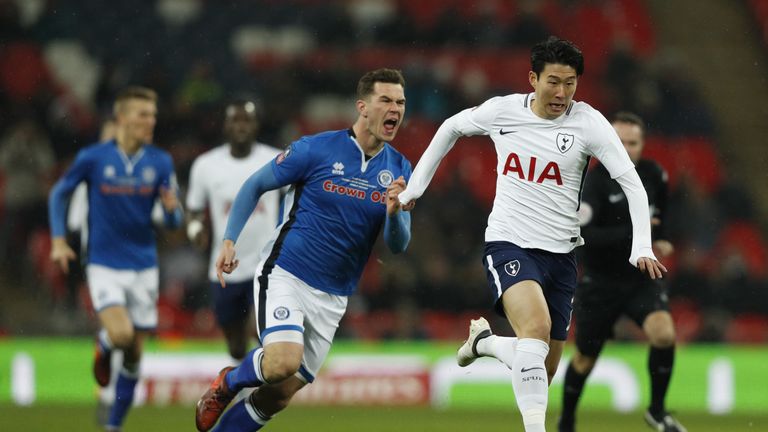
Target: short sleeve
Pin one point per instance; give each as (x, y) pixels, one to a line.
(196, 192)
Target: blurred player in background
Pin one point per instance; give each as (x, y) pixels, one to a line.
(610, 287)
(344, 187)
(544, 141)
(214, 181)
(125, 178)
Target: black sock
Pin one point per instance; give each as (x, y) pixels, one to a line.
(660, 361)
(572, 388)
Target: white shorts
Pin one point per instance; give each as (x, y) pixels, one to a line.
(136, 290)
(289, 310)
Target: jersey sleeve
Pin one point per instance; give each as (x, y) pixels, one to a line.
(62, 191)
(606, 146)
(196, 192)
(478, 120)
(471, 121)
(293, 164)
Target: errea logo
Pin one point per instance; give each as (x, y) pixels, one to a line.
(338, 168)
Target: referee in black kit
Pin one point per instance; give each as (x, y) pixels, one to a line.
(611, 286)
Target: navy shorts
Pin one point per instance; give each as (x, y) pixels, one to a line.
(507, 264)
(233, 303)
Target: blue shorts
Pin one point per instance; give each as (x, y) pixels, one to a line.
(233, 303)
(507, 264)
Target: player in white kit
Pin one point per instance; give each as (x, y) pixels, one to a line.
(544, 141)
(214, 181)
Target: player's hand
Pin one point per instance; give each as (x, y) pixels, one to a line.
(168, 198)
(393, 190)
(654, 268)
(61, 253)
(226, 262)
(663, 248)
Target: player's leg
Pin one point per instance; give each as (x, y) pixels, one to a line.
(141, 306)
(106, 287)
(233, 308)
(649, 308)
(253, 412)
(288, 296)
(576, 375)
(596, 307)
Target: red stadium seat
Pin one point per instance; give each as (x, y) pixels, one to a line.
(748, 328)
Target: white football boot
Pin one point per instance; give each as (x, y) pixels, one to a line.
(467, 353)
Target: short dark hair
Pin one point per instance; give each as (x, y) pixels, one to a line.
(384, 75)
(629, 117)
(134, 92)
(556, 51)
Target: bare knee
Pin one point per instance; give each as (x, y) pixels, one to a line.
(660, 329)
(122, 338)
(583, 364)
(281, 361)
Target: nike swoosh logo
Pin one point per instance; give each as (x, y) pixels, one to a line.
(524, 370)
(503, 132)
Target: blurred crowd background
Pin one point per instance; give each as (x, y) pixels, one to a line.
(62, 62)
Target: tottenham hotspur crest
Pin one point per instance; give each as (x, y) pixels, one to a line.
(564, 142)
(512, 267)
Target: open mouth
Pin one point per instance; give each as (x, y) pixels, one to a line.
(390, 125)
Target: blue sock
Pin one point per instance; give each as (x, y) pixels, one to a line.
(248, 374)
(241, 418)
(126, 383)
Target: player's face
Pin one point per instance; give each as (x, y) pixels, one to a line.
(384, 110)
(631, 135)
(554, 87)
(137, 118)
(240, 124)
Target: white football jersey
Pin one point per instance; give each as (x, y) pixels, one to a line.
(214, 181)
(541, 167)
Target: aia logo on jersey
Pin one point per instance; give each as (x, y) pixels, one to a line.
(385, 178)
(551, 170)
(512, 268)
(564, 142)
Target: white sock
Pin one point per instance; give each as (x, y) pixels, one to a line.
(530, 382)
(105, 341)
(500, 347)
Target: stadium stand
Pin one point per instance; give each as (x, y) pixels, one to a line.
(62, 62)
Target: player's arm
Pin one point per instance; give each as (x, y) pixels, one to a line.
(173, 215)
(58, 202)
(245, 202)
(642, 254)
(471, 121)
(197, 230)
(593, 198)
(397, 225)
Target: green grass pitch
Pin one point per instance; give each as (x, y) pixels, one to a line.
(353, 419)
